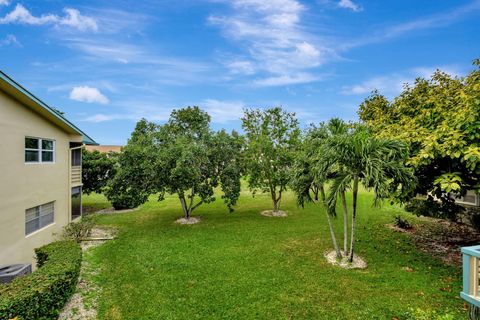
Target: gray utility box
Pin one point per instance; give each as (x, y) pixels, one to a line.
(11, 271)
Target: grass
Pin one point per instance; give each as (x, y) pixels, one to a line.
(246, 266)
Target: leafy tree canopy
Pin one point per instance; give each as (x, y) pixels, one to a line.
(440, 120)
(132, 183)
(185, 157)
(272, 138)
(97, 169)
(192, 161)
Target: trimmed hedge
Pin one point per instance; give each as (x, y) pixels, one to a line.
(42, 294)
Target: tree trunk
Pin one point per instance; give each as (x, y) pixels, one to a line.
(315, 193)
(330, 225)
(345, 223)
(276, 200)
(354, 218)
(185, 209)
(276, 205)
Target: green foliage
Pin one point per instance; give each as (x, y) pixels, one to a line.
(272, 137)
(440, 120)
(192, 160)
(132, 183)
(446, 209)
(183, 157)
(307, 181)
(97, 170)
(473, 215)
(123, 196)
(76, 231)
(421, 314)
(402, 223)
(42, 294)
(355, 158)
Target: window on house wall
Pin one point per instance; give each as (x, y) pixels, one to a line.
(39, 150)
(39, 217)
(76, 157)
(470, 198)
(76, 202)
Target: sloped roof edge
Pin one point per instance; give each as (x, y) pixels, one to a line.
(62, 121)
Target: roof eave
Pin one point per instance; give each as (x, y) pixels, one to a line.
(61, 121)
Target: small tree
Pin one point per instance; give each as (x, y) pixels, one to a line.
(308, 182)
(377, 164)
(272, 138)
(183, 157)
(97, 169)
(132, 183)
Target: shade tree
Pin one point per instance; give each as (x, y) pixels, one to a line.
(186, 158)
(439, 118)
(272, 138)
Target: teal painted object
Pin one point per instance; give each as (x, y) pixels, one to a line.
(86, 139)
(470, 293)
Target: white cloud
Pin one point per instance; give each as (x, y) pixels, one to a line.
(72, 18)
(223, 111)
(75, 20)
(4, 2)
(88, 94)
(437, 20)
(283, 80)
(241, 67)
(10, 40)
(273, 39)
(100, 118)
(349, 4)
(393, 84)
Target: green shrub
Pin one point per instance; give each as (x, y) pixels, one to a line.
(446, 209)
(78, 230)
(402, 223)
(473, 215)
(42, 294)
(124, 197)
(420, 314)
(97, 169)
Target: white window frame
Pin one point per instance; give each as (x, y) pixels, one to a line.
(39, 150)
(40, 215)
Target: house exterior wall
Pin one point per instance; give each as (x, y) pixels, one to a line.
(26, 185)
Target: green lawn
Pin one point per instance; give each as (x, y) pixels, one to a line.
(246, 266)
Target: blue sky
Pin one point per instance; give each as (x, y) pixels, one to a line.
(107, 64)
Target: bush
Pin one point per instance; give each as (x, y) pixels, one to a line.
(42, 294)
(97, 170)
(76, 231)
(402, 223)
(473, 215)
(125, 199)
(420, 314)
(446, 209)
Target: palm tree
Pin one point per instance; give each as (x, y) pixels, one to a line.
(308, 184)
(358, 158)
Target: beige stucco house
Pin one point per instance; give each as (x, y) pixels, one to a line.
(40, 172)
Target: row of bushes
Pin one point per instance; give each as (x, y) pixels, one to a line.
(429, 207)
(444, 210)
(42, 294)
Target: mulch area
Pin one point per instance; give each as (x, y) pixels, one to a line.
(442, 239)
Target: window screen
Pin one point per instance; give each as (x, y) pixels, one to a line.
(39, 217)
